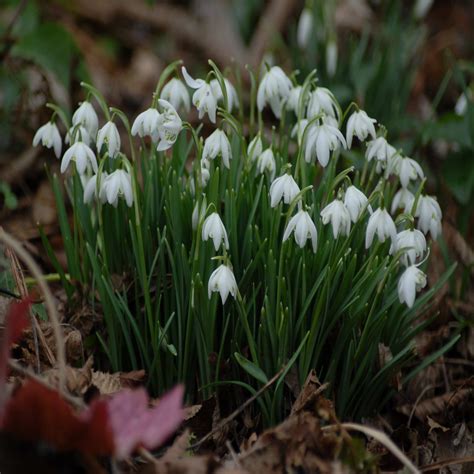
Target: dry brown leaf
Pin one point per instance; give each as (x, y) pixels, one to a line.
(110, 383)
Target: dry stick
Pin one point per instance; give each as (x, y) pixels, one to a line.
(48, 299)
(381, 437)
(236, 412)
(446, 462)
(417, 401)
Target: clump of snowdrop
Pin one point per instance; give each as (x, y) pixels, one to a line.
(274, 89)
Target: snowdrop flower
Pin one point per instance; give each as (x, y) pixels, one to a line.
(322, 100)
(274, 89)
(303, 227)
(146, 124)
(411, 281)
(169, 125)
(380, 222)
(421, 8)
(331, 57)
(323, 139)
(356, 202)
(205, 172)
(86, 116)
(283, 187)
(176, 94)
(222, 280)
(381, 150)
(217, 144)
(294, 99)
(266, 162)
(408, 169)
(213, 227)
(115, 185)
(461, 104)
(232, 97)
(78, 133)
(82, 155)
(255, 148)
(361, 125)
(109, 135)
(414, 244)
(337, 213)
(305, 28)
(429, 216)
(403, 199)
(298, 129)
(48, 135)
(90, 188)
(203, 98)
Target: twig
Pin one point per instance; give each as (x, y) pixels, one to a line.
(446, 462)
(49, 302)
(236, 412)
(417, 401)
(382, 438)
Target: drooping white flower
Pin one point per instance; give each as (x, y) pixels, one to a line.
(381, 150)
(169, 125)
(339, 216)
(303, 227)
(429, 216)
(146, 124)
(232, 97)
(305, 28)
(283, 187)
(356, 202)
(294, 99)
(322, 100)
(203, 98)
(320, 141)
(461, 104)
(361, 125)
(86, 116)
(205, 172)
(380, 223)
(408, 170)
(82, 155)
(274, 88)
(78, 133)
(217, 144)
(255, 148)
(298, 130)
(331, 57)
(48, 135)
(411, 281)
(213, 227)
(414, 244)
(90, 188)
(117, 184)
(403, 199)
(421, 8)
(222, 280)
(109, 135)
(176, 93)
(266, 162)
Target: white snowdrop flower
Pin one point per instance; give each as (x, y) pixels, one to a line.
(411, 281)
(331, 57)
(213, 227)
(380, 223)
(361, 125)
(421, 8)
(205, 172)
(169, 125)
(90, 188)
(414, 244)
(86, 116)
(109, 135)
(381, 150)
(303, 227)
(266, 162)
(339, 216)
(78, 133)
(403, 199)
(305, 28)
(222, 280)
(298, 130)
(203, 98)
(199, 212)
(294, 99)
(232, 97)
(117, 184)
(408, 170)
(176, 93)
(146, 124)
(217, 144)
(322, 100)
(82, 155)
(356, 202)
(255, 148)
(274, 88)
(322, 139)
(429, 216)
(48, 135)
(283, 187)
(461, 105)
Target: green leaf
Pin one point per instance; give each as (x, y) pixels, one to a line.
(251, 368)
(458, 171)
